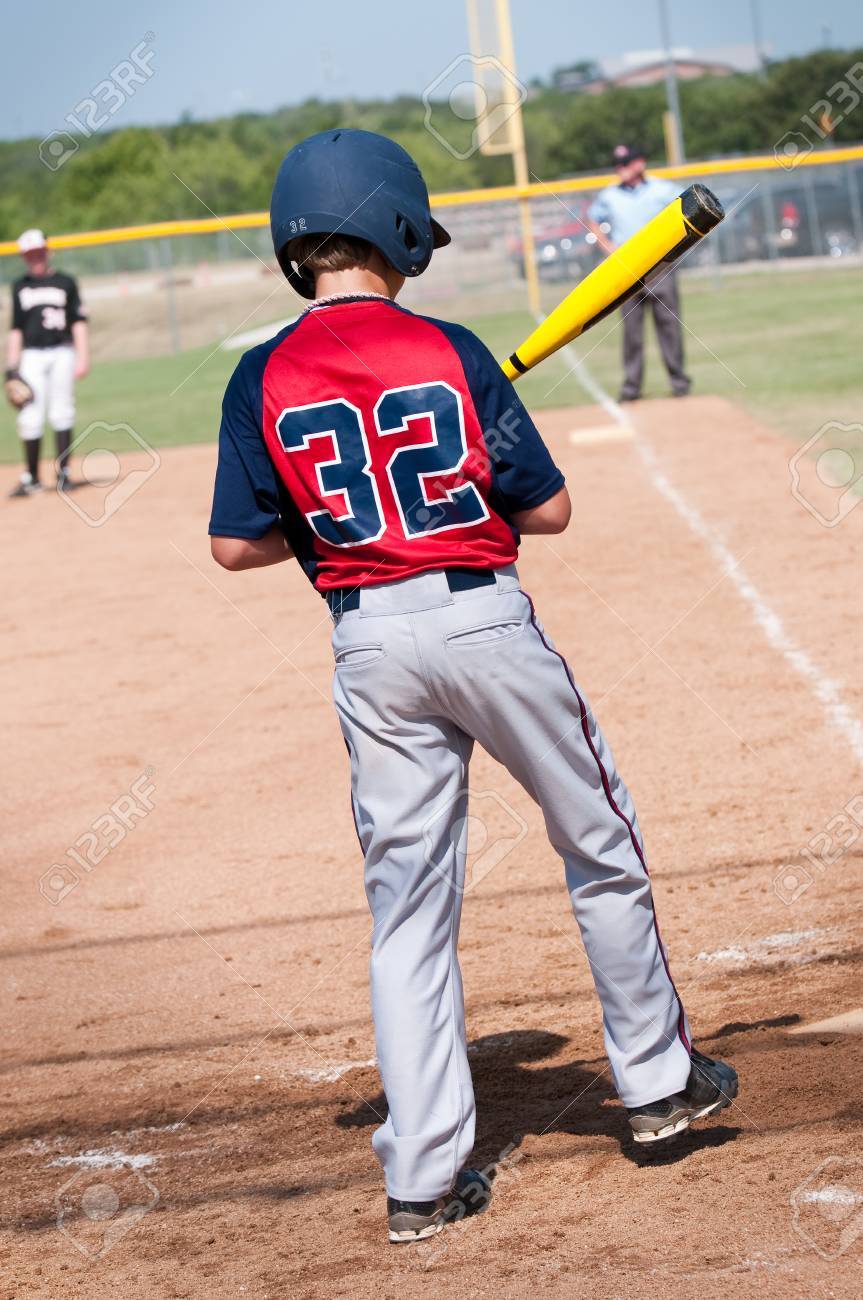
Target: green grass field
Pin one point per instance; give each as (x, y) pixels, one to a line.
(785, 345)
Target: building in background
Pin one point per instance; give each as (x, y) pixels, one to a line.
(647, 68)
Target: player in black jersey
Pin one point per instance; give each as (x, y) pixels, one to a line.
(48, 348)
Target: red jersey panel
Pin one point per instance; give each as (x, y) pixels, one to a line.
(383, 443)
(371, 426)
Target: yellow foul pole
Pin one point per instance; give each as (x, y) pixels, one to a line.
(514, 123)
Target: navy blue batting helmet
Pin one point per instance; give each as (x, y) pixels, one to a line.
(354, 183)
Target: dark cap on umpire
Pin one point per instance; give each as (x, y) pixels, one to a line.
(627, 153)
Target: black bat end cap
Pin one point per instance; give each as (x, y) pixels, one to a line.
(701, 208)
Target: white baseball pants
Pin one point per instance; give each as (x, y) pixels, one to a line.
(50, 372)
(421, 673)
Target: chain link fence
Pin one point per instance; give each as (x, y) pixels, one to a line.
(158, 295)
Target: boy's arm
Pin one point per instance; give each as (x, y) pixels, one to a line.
(236, 553)
(81, 340)
(14, 347)
(552, 516)
(245, 527)
(80, 330)
(15, 341)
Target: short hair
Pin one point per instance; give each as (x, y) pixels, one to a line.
(318, 253)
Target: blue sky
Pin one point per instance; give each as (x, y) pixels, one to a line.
(220, 58)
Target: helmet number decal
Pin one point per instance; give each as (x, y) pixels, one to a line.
(410, 470)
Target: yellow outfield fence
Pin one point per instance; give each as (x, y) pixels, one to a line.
(168, 286)
(463, 198)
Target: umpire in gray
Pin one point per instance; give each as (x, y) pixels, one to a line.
(615, 215)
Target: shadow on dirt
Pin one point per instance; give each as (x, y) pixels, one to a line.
(515, 1096)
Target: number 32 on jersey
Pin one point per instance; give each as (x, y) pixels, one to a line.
(349, 472)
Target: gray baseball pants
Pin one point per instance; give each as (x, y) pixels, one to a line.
(421, 673)
(664, 301)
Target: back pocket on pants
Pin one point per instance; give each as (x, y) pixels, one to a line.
(485, 634)
(355, 656)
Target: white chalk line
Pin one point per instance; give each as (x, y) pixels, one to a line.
(824, 688)
(839, 716)
(834, 1194)
(103, 1159)
(332, 1072)
(774, 948)
(111, 1157)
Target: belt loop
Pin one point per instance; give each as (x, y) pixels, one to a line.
(506, 579)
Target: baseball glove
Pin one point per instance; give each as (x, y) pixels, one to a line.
(18, 391)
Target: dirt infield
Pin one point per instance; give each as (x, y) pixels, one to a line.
(189, 1079)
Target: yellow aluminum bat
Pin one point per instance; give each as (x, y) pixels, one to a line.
(659, 244)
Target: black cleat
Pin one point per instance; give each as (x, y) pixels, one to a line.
(416, 1220)
(27, 486)
(712, 1085)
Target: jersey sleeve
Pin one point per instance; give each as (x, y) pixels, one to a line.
(523, 471)
(74, 306)
(17, 322)
(246, 492)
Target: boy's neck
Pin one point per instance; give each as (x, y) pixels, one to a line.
(377, 276)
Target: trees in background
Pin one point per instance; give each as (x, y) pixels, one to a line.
(160, 173)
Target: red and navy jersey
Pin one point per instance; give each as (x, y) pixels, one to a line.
(384, 443)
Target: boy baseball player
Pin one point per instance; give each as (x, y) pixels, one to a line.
(389, 454)
(47, 351)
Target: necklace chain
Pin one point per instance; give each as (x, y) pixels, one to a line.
(340, 297)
